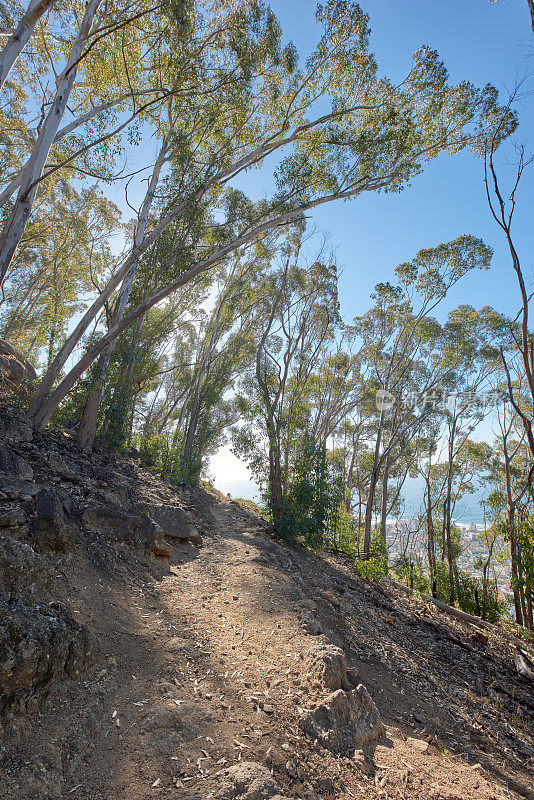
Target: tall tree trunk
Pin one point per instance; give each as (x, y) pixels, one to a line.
(431, 549)
(85, 433)
(350, 475)
(21, 35)
(87, 426)
(372, 490)
(190, 434)
(513, 566)
(384, 503)
(276, 498)
(20, 214)
(369, 508)
(447, 522)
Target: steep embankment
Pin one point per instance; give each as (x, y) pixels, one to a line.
(196, 675)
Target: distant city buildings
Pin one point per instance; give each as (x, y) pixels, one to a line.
(408, 536)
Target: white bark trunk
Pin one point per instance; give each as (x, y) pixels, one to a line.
(21, 35)
(87, 427)
(18, 219)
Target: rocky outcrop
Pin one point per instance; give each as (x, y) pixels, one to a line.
(174, 522)
(14, 369)
(23, 571)
(327, 665)
(344, 720)
(38, 640)
(50, 529)
(15, 426)
(247, 780)
(58, 504)
(38, 643)
(16, 475)
(118, 526)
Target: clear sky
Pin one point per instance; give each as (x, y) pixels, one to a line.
(481, 41)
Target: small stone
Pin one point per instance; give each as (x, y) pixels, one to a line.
(311, 625)
(325, 785)
(418, 744)
(361, 763)
(247, 780)
(331, 597)
(480, 638)
(161, 549)
(353, 677)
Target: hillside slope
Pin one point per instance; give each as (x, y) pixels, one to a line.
(169, 670)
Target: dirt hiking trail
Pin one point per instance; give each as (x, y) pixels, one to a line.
(201, 662)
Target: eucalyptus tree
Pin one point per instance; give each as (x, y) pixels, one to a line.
(64, 254)
(510, 474)
(299, 324)
(113, 70)
(434, 482)
(402, 345)
(336, 388)
(211, 345)
(227, 340)
(87, 425)
(503, 209)
(470, 354)
(371, 136)
(15, 225)
(19, 35)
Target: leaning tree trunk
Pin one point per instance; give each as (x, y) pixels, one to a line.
(85, 434)
(87, 426)
(18, 219)
(21, 35)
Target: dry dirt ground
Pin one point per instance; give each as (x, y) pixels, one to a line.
(201, 664)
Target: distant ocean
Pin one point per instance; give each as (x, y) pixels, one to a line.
(467, 510)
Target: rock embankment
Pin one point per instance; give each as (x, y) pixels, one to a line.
(56, 501)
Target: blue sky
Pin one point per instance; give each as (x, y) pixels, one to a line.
(480, 41)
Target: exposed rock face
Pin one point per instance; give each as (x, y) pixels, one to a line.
(327, 665)
(247, 781)
(16, 475)
(14, 368)
(119, 526)
(15, 426)
(13, 464)
(22, 570)
(38, 641)
(50, 529)
(344, 720)
(174, 521)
